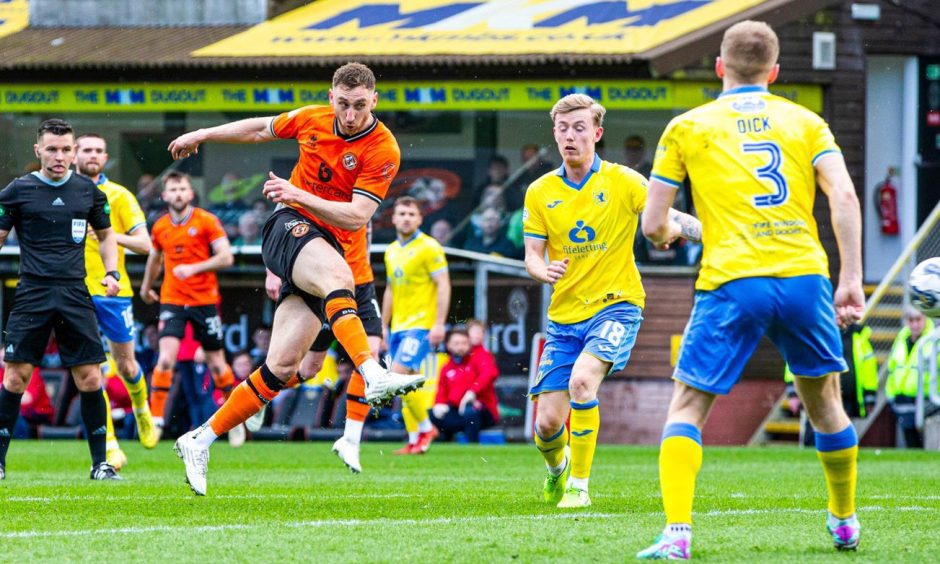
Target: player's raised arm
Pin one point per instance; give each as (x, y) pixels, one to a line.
(251, 130)
(846, 216)
(345, 215)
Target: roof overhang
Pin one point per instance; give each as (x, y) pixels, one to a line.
(667, 33)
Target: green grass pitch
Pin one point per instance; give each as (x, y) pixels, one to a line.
(272, 502)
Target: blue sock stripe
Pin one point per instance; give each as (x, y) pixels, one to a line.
(687, 430)
(587, 405)
(140, 374)
(553, 437)
(846, 438)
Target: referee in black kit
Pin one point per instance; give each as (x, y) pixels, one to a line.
(51, 210)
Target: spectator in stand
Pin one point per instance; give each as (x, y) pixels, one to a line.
(149, 350)
(476, 331)
(441, 231)
(262, 340)
(496, 175)
(533, 168)
(242, 366)
(492, 239)
(249, 229)
(261, 207)
(634, 150)
(466, 396)
(903, 373)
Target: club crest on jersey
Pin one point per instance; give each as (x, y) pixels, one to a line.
(601, 196)
(79, 228)
(297, 227)
(349, 161)
(191, 231)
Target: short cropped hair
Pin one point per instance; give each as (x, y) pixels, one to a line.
(55, 127)
(457, 330)
(407, 201)
(573, 102)
(91, 136)
(749, 50)
(176, 176)
(353, 75)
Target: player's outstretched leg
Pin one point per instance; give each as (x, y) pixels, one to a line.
(381, 385)
(246, 400)
(551, 438)
(113, 452)
(585, 423)
(357, 409)
(680, 459)
(136, 386)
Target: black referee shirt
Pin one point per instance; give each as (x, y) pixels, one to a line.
(51, 221)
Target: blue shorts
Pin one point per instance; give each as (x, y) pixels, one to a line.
(727, 323)
(608, 336)
(115, 318)
(409, 347)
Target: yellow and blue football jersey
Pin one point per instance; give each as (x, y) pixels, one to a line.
(410, 267)
(593, 224)
(750, 156)
(126, 216)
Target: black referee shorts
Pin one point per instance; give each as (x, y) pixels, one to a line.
(367, 305)
(283, 236)
(38, 309)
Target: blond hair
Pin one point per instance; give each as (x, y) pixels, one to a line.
(573, 102)
(749, 51)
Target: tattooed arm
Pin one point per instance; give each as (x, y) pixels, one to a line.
(690, 227)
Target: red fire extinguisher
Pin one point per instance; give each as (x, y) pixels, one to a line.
(888, 205)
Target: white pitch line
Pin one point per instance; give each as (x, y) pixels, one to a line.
(419, 522)
(120, 499)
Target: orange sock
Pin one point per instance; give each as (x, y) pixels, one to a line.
(294, 380)
(347, 327)
(160, 384)
(356, 407)
(246, 399)
(224, 381)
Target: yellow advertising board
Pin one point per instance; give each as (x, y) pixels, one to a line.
(14, 16)
(270, 97)
(468, 27)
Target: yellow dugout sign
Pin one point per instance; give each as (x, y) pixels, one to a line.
(266, 97)
(482, 27)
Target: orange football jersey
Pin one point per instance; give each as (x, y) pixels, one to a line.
(187, 242)
(334, 167)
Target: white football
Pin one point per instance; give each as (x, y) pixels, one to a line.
(925, 287)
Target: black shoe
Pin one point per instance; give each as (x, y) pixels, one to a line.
(104, 471)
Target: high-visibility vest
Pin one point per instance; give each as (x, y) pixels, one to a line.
(865, 364)
(903, 369)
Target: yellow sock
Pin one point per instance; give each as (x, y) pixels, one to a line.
(553, 448)
(414, 408)
(110, 437)
(680, 459)
(585, 422)
(838, 453)
(137, 389)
